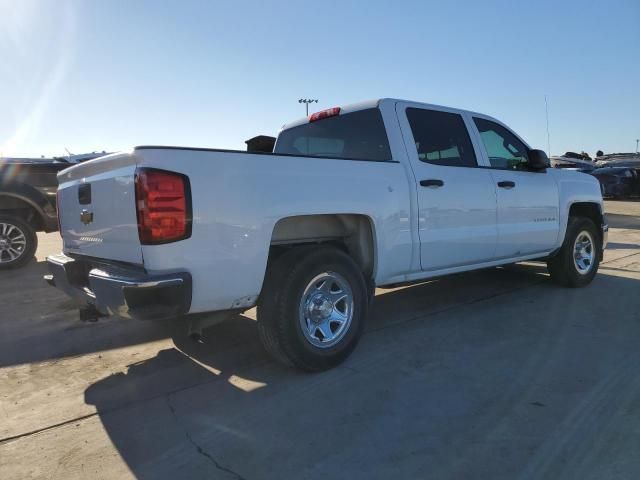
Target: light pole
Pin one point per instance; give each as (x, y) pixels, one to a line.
(306, 102)
(637, 141)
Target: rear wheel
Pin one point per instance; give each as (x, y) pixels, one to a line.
(577, 262)
(18, 242)
(312, 309)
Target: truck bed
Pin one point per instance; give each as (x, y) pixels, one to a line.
(237, 199)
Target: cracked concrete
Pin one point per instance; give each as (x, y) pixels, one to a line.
(199, 449)
(494, 374)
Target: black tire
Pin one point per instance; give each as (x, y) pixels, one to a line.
(26, 252)
(562, 267)
(279, 323)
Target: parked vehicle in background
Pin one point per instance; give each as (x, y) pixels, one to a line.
(571, 160)
(82, 157)
(27, 205)
(618, 160)
(579, 167)
(581, 170)
(618, 182)
(373, 194)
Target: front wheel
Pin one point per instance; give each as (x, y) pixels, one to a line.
(18, 242)
(313, 307)
(577, 262)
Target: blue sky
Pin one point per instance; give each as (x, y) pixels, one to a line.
(93, 75)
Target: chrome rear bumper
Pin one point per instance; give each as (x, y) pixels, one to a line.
(121, 291)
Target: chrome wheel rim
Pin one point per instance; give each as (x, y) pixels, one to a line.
(13, 243)
(326, 310)
(583, 253)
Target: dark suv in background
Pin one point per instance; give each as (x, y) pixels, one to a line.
(618, 182)
(27, 205)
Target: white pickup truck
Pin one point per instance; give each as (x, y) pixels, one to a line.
(373, 194)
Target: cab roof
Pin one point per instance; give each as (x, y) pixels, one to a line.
(376, 103)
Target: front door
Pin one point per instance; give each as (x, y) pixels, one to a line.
(456, 199)
(528, 219)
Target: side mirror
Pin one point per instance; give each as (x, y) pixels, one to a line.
(538, 160)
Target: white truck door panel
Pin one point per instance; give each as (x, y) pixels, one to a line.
(527, 213)
(456, 199)
(528, 217)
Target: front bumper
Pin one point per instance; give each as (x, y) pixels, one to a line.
(122, 291)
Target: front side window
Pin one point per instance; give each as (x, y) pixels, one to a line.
(358, 135)
(503, 147)
(441, 138)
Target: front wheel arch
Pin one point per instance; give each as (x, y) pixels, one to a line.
(588, 209)
(563, 267)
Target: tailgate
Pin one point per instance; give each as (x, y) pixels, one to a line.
(96, 201)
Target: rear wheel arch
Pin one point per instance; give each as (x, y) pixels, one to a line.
(353, 233)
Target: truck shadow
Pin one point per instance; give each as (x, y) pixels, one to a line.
(231, 347)
(621, 246)
(223, 408)
(39, 323)
(618, 220)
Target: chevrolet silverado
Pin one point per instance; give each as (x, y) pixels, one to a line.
(369, 195)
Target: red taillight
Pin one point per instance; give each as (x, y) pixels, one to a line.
(163, 205)
(329, 112)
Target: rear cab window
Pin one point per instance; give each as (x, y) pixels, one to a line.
(359, 135)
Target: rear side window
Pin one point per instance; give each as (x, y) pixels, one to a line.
(441, 138)
(359, 135)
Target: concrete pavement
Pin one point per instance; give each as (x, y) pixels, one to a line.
(492, 374)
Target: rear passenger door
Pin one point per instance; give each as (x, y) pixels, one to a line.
(456, 199)
(528, 219)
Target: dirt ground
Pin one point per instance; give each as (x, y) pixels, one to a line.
(492, 374)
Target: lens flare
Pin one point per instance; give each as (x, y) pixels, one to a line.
(23, 23)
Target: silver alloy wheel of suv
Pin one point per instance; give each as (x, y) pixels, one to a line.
(13, 242)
